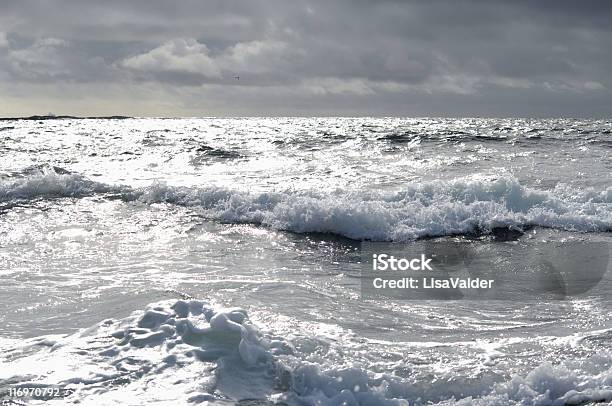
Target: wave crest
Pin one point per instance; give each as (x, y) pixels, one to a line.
(421, 210)
(49, 182)
(427, 209)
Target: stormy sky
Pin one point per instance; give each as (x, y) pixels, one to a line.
(328, 57)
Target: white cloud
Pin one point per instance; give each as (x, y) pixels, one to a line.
(176, 56)
(446, 84)
(257, 56)
(187, 55)
(576, 86)
(323, 86)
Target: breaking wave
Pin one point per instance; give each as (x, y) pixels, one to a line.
(427, 209)
(51, 182)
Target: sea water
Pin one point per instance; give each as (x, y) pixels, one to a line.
(218, 260)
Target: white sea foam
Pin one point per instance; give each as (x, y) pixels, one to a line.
(187, 351)
(419, 210)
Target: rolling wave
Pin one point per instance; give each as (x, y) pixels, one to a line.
(427, 209)
(49, 183)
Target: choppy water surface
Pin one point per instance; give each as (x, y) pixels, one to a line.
(127, 245)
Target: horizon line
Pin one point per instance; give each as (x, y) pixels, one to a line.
(123, 117)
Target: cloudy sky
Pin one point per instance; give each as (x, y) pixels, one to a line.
(328, 57)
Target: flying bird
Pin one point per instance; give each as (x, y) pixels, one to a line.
(237, 77)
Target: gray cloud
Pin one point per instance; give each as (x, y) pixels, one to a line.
(42, 58)
(3, 40)
(343, 57)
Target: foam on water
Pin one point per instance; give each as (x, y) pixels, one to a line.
(189, 351)
(435, 208)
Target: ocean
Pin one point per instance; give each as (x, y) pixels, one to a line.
(220, 260)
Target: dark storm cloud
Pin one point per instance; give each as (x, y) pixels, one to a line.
(473, 57)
